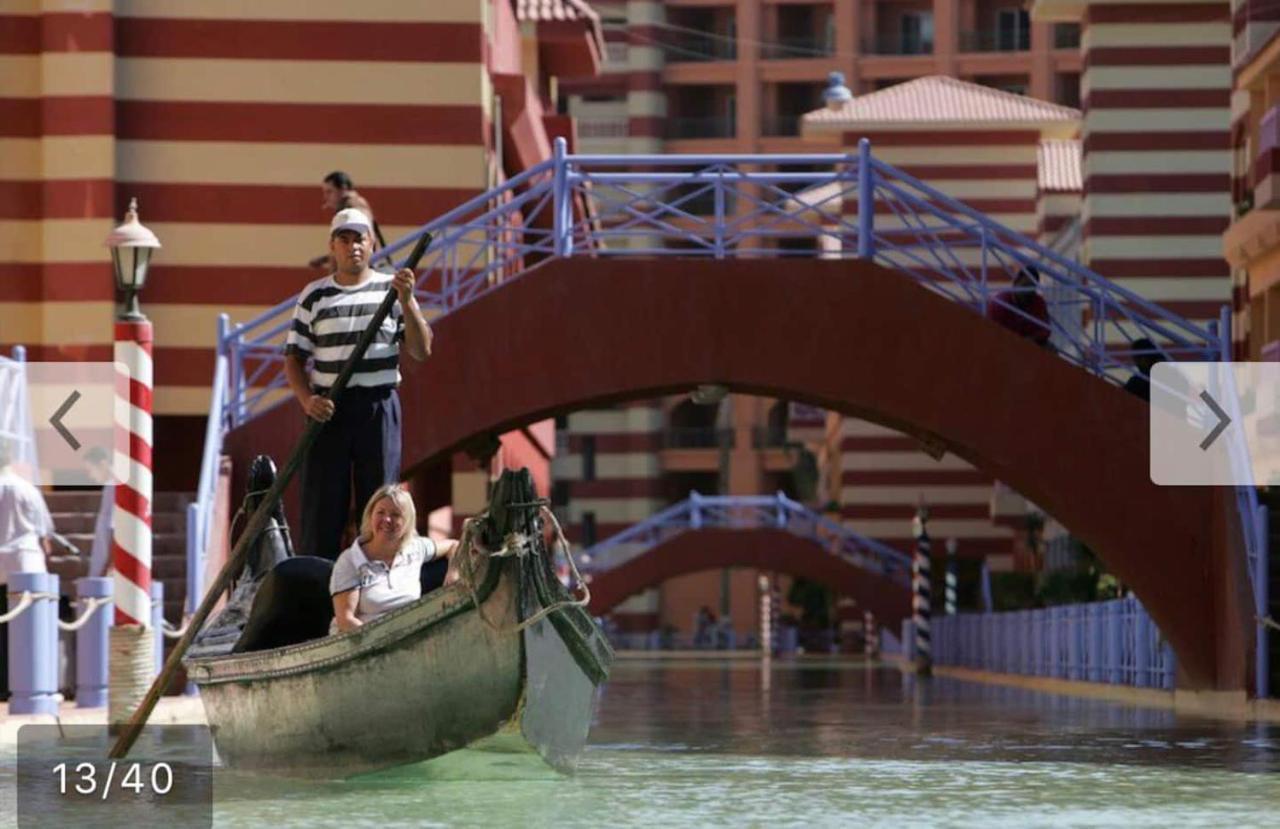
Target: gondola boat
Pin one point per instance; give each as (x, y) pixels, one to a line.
(502, 660)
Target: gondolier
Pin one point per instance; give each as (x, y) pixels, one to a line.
(359, 447)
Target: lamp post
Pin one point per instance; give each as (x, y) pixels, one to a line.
(132, 649)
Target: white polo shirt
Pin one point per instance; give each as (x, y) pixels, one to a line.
(24, 520)
(382, 588)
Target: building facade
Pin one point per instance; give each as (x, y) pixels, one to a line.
(222, 119)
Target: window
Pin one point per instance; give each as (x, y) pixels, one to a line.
(588, 529)
(917, 33)
(588, 457)
(1013, 30)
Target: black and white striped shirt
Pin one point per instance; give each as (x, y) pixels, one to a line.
(327, 322)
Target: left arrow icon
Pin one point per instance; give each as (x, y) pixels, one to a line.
(56, 421)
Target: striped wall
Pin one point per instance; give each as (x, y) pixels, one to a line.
(221, 118)
(57, 168)
(1157, 169)
(619, 486)
(885, 476)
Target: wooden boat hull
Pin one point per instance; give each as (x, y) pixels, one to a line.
(429, 678)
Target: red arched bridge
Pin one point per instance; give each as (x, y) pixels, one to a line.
(768, 532)
(590, 279)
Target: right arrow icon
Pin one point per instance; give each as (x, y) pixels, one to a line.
(1223, 420)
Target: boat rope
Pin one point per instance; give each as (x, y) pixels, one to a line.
(519, 541)
(171, 632)
(132, 655)
(91, 606)
(28, 599)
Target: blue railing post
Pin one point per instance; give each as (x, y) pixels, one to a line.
(561, 197)
(91, 644)
(866, 201)
(780, 500)
(719, 215)
(33, 646)
(157, 622)
(695, 511)
(1262, 662)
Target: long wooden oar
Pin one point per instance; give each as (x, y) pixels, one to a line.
(257, 522)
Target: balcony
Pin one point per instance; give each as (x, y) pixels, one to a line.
(1066, 36)
(700, 49)
(797, 48)
(697, 437)
(1002, 40)
(897, 44)
(603, 128)
(780, 125)
(768, 437)
(701, 127)
(1265, 173)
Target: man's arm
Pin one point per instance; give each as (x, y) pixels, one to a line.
(313, 405)
(417, 334)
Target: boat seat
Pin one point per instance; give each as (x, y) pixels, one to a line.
(291, 606)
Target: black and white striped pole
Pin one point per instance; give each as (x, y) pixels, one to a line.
(949, 605)
(871, 639)
(920, 597)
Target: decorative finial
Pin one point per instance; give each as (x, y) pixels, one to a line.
(836, 94)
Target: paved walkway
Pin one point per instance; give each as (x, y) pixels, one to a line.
(169, 710)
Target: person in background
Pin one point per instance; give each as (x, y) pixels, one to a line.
(379, 572)
(338, 193)
(1145, 357)
(25, 528)
(1021, 309)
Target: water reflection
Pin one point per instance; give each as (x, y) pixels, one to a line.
(844, 710)
(817, 744)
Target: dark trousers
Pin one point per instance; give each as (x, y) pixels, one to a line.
(358, 450)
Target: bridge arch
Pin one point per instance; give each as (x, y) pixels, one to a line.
(586, 331)
(765, 549)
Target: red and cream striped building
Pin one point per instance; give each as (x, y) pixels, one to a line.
(222, 118)
(1156, 97)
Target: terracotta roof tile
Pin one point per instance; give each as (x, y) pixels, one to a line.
(1059, 162)
(936, 98)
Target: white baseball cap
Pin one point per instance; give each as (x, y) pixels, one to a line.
(350, 219)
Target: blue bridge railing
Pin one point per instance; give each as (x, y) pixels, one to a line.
(1113, 642)
(15, 413)
(745, 512)
(850, 205)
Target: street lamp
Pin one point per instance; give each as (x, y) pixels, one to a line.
(836, 95)
(131, 244)
(132, 638)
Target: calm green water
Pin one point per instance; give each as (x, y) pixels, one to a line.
(826, 744)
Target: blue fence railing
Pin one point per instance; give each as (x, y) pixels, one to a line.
(1113, 642)
(849, 205)
(744, 512)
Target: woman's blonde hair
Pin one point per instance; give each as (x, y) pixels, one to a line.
(403, 500)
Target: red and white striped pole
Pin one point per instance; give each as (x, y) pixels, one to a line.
(132, 639)
(131, 527)
(132, 664)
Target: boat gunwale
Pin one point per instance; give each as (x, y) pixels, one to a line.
(372, 637)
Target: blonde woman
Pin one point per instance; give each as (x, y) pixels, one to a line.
(380, 571)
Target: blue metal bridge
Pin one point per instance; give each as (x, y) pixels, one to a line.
(747, 512)
(722, 207)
